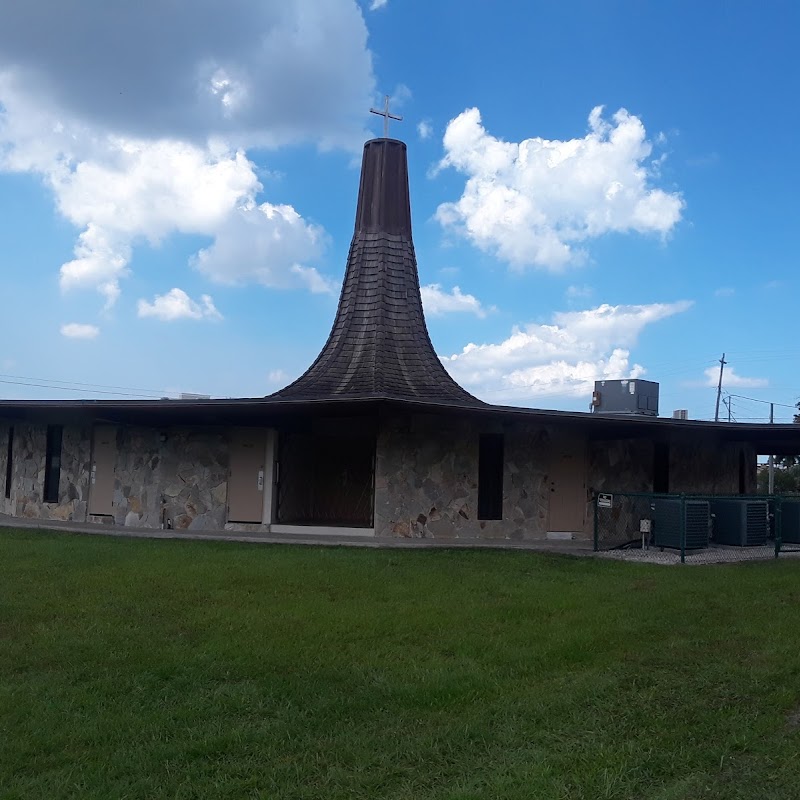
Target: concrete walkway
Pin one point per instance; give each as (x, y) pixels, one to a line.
(569, 547)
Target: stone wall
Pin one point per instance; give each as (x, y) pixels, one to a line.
(695, 466)
(620, 465)
(700, 467)
(180, 481)
(426, 481)
(177, 477)
(427, 467)
(193, 471)
(6, 505)
(28, 467)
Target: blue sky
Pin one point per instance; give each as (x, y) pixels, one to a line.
(599, 190)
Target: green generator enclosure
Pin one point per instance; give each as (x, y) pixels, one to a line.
(667, 523)
(741, 523)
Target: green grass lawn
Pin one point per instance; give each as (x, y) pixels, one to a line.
(163, 669)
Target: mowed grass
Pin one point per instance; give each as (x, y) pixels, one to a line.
(163, 669)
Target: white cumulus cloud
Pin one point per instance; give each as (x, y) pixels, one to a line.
(176, 304)
(437, 301)
(79, 330)
(266, 244)
(731, 380)
(424, 129)
(265, 73)
(564, 357)
(136, 149)
(376, 4)
(536, 202)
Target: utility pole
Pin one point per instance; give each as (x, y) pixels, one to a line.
(771, 488)
(722, 363)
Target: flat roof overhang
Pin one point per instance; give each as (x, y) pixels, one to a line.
(781, 439)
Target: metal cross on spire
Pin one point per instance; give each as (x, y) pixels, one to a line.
(386, 116)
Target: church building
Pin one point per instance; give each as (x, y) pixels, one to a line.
(374, 439)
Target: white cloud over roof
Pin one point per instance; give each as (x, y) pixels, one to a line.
(535, 203)
(564, 357)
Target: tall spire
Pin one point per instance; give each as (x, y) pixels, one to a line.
(379, 345)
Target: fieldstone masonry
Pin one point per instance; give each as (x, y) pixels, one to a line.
(27, 479)
(426, 481)
(626, 465)
(177, 478)
(620, 465)
(426, 476)
(6, 505)
(696, 468)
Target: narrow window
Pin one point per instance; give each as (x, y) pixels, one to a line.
(742, 473)
(9, 462)
(661, 468)
(490, 476)
(52, 463)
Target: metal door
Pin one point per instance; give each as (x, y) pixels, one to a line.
(568, 486)
(104, 458)
(246, 479)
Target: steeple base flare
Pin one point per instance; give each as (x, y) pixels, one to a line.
(379, 345)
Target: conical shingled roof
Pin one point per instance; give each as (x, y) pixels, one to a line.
(379, 345)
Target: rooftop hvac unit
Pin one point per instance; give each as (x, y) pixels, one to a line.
(680, 413)
(790, 521)
(742, 523)
(625, 397)
(667, 523)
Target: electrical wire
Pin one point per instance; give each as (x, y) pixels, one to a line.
(4, 378)
(140, 395)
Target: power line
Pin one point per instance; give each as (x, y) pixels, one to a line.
(757, 400)
(75, 389)
(153, 392)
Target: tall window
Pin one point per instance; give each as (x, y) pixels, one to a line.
(490, 476)
(52, 463)
(661, 467)
(742, 473)
(9, 462)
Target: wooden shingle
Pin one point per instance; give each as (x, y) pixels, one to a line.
(379, 345)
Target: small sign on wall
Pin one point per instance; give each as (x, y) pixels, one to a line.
(605, 500)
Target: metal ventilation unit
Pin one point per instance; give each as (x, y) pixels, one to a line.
(680, 413)
(667, 523)
(790, 521)
(743, 523)
(625, 397)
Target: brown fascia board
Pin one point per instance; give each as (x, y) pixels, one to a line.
(783, 438)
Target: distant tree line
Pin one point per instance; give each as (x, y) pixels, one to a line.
(787, 471)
